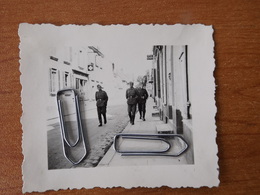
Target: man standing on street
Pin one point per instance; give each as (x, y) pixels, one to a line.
(143, 95)
(131, 96)
(101, 98)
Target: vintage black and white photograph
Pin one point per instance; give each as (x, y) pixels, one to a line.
(133, 105)
(125, 89)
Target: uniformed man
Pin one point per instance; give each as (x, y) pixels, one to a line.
(101, 98)
(131, 96)
(142, 97)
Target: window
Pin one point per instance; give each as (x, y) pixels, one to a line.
(77, 83)
(54, 58)
(66, 80)
(54, 81)
(65, 62)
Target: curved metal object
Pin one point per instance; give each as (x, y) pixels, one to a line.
(80, 136)
(159, 137)
(143, 138)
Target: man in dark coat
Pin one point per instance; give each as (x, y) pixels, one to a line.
(142, 97)
(131, 96)
(101, 98)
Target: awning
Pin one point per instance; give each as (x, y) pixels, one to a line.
(80, 73)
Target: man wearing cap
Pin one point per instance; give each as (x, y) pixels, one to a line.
(131, 96)
(101, 98)
(143, 95)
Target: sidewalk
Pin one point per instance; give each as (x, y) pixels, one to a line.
(149, 126)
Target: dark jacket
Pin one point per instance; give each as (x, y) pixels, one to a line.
(143, 95)
(131, 96)
(101, 98)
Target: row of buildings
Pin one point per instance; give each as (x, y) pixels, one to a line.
(170, 87)
(81, 69)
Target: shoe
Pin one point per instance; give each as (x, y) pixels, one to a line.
(140, 117)
(143, 119)
(105, 122)
(100, 125)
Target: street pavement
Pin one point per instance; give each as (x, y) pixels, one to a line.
(149, 126)
(99, 140)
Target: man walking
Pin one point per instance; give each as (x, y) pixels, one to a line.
(131, 96)
(143, 95)
(101, 98)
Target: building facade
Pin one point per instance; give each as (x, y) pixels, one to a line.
(171, 88)
(81, 69)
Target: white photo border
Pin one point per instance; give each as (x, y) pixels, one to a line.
(37, 177)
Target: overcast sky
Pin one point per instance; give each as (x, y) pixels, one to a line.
(130, 57)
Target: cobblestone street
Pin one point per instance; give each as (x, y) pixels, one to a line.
(98, 139)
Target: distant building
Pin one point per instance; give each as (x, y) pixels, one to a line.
(74, 68)
(81, 69)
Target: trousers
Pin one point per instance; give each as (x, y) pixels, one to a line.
(131, 112)
(142, 109)
(102, 111)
